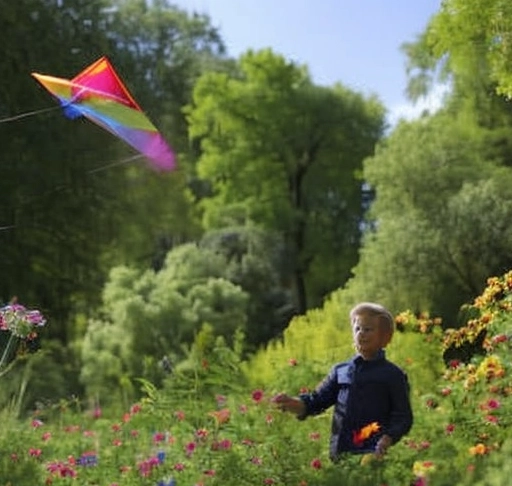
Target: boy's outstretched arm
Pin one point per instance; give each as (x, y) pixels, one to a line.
(289, 404)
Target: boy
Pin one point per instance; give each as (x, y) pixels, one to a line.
(370, 394)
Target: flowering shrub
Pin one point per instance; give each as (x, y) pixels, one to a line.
(21, 324)
(207, 427)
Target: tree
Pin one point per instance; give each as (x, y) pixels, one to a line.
(472, 38)
(255, 260)
(286, 154)
(440, 215)
(149, 315)
(72, 208)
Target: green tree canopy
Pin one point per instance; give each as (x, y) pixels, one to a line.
(286, 154)
(440, 214)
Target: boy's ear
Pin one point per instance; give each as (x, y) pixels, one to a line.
(386, 338)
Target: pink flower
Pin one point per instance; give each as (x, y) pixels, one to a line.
(179, 466)
(493, 404)
(221, 400)
(190, 448)
(158, 437)
(292, 362)
(257, 461)
(316, 463)
(180, 415)
(449, 428)
(47, 436)
(135, 409)
(201, 433)
(269, 419)
(134, 433)
(96, 413)
(36, 423)
(268, 481)
(446, 391)
(34, 452)
(117, 442)
(257, 396)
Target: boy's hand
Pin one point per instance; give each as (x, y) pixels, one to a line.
(383, 445)
(289, 404)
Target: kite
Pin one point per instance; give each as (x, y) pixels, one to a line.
(98, 94)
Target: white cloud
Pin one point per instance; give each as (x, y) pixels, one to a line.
(410, 111)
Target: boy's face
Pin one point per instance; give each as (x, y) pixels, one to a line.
(369, 337)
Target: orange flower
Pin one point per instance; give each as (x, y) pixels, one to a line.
(221, 416)
(478, 450)
(359, 436)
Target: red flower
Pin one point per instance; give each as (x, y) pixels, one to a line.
(257, 396)
(190, 448)
(454, 363)
(316, 464)
(493, 404)
(136, 408)
(96, 413)
(449, 428)
(180, 415)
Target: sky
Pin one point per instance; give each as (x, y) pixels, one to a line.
(354, 42)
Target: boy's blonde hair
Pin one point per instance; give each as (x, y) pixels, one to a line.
(385, 318)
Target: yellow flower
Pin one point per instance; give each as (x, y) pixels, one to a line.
(367, 459)
(422, 468)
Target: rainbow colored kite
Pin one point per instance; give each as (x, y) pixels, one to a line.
(99, 94)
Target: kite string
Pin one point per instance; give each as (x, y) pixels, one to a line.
(27, 114)
(119, 162)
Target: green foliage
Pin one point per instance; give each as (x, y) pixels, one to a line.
(17, 467)
(149, 316)
(435, 243)
(307, 172)
(314, 342)
(255, 260)
(72, 206)
(208, 425)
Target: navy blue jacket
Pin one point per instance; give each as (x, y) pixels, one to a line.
(362, 392)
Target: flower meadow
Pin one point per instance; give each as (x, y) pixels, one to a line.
(214, 423)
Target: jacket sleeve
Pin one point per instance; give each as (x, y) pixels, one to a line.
(401, 416)
(323, 397)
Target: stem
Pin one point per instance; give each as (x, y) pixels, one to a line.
(6, 350)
